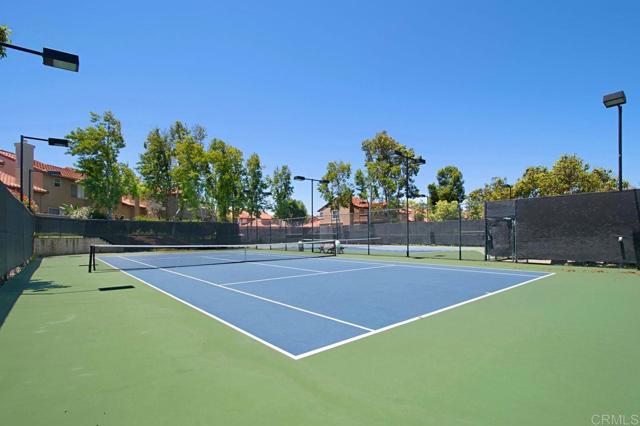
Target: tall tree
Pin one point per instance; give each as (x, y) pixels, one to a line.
(188, 174)
(533, 183)
(338, 191)
(362, 184)
(4, 38)
(385, 169)
(444, 210)
(449, 186)
(255, 187)
(155, 167)
(227, 169)
(281, 192)
(297, 209)
(97, 147)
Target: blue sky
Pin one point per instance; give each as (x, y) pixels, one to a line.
(491, 87)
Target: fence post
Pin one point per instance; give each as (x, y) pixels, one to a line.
(486, 233)
(459, 232)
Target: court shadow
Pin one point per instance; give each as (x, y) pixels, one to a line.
(11, 291)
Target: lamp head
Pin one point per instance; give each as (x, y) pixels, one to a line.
(614, 99)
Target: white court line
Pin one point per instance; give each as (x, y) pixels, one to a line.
(255, 296)
(428, 314)
(336, 344)
(266, 264)
(202, 311)
(442, 268)
(305, 275)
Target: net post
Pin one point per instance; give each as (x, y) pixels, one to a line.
(459, 231)
(90, 257)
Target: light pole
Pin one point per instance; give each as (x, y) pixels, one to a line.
(407, 160)
(52, 142)
(506, 185)
(51, 58)
(301, 178)
(617, 99)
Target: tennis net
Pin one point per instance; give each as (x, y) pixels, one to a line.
(131, 257)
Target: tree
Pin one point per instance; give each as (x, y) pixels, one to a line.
(226, 170)
(569, 175)
(444, 210)
(338, 191)
(533, 183)
(385, 169)
(475, 205)
(97, 148)
(255, 187)
(5, 32)
(155, 167)
(449, 186)
(281, 192)
(362, 184)
(189, 169)
(131, 184)
(297, 209)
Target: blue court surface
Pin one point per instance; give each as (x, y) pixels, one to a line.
(302, 306)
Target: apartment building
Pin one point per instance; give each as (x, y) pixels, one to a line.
(52, 186)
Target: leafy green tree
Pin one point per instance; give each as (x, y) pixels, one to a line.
(533, 183)
(281, 191)
(226, 169)
(444, 210)
(297, 209)
(362, 184)
(189, 169)
(97, 148)
(569, 175)
(131, 184)
(338, 191)
(4, 38)
(475, 205)
(385, 169)
(155, 167)
(255, 187)
(449, 186)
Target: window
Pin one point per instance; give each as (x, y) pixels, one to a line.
(74, 190)
(335, 214)
(80, 192)
(57, 182)
(52, 210)
(321, 214)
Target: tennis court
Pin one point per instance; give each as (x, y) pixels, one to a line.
(302, 303)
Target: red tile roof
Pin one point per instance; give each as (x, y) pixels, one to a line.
(65, 172)
(11, 182)
(246, 215)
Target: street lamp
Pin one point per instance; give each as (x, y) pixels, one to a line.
(51, 141)
(506, 185)
(49, 172)
(301, 178)
(617, 99)
(407, 160)
(52, 58)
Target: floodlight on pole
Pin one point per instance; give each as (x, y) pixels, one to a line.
(611, 100)
(407, 160)
(301, 178)
(51, 141)
(50, 57)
